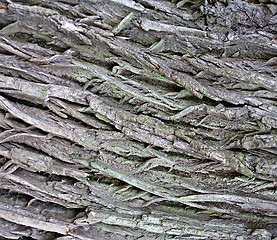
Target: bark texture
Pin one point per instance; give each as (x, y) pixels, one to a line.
(138, 119)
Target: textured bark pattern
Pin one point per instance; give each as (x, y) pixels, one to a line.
(144, 119)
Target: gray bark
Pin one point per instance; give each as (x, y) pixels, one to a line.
(146, 119)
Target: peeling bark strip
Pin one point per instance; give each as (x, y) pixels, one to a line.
(138, 119)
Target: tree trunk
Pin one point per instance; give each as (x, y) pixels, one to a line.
(138, 119)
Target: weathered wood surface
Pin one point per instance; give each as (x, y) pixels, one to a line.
(144, 119)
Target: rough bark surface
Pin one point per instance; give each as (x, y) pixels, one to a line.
(138, 119)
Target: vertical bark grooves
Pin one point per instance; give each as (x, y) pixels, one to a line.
(138, 119)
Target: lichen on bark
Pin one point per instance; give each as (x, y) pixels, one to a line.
(138, 119)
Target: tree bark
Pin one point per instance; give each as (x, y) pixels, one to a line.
(138, 119)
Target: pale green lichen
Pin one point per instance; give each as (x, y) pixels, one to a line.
(103, 118)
